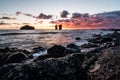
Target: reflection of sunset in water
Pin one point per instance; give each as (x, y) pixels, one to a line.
(28, 39)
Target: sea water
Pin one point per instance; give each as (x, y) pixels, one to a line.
(29, 39)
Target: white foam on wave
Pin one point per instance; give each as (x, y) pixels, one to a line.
(35, 55)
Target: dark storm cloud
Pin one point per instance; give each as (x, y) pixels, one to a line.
(7, 18)
(76, 15)
(64, 14)
(44, 16)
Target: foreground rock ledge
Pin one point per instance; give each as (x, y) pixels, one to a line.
(104, 65)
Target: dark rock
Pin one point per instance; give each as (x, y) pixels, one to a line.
(109, 65)
(106, 39)
(37, 49)
(7, 49)
(5, 70)
(16, 58)
(104, 65)
(101, 39)
(5, 53)
(3, 59)
(30, 56)
(72, 48)
(26, 52)
(77, 38)
(42, 57)
(27, 27)
(94, 40)
(97, 35)
(89, 45)
(4, 50)
(56, 51)
(65, 68)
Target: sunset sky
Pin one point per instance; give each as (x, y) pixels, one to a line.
(39, 13)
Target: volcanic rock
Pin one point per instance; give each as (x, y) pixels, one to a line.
(27, 27)
(16, 58)
(56, 51)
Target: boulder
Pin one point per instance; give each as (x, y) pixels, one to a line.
(106, 39)
(56, 51)
(37, 49)
(72, 48)
(77, 38)
(7, 52)
(4, 50)
(104, 65)
(16, 57)
(3, 59)
(42, 57)
(65, 68)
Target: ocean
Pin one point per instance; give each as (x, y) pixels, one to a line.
(29, 39)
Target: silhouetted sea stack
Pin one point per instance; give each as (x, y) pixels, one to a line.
(27, 27)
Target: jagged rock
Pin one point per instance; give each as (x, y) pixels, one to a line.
(109, 65)
(37, 49)
(103, 65)
(77, 38)
(5, 70)
(97, 35)
(107, 44)
(72, 48)
(16, 58)
(56, 51)
(89, 45)
(25, 52)
(30, 56)
(4, 50)
(42, 57)
(65, 68)
(3, 59)
(106, 39)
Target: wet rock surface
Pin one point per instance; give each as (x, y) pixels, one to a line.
(56, 51)
(72, 48)
(12, 55)
(16, 58)
(102, 62)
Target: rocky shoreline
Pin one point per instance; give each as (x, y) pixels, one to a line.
(99, 59)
